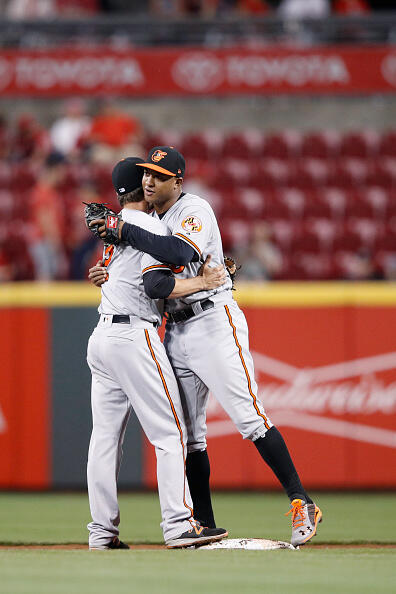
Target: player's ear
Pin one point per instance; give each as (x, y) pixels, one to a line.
(178, 182)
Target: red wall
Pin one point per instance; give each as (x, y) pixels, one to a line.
(24, 400)
(327, 377)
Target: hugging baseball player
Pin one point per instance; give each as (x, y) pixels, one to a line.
(206, 337)
(130, 368)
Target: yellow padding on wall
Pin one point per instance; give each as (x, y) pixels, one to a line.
(285, 294)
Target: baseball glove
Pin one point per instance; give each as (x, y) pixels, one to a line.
(232, 269)
(98, 210)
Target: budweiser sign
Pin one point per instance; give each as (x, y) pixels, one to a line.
(309, 398)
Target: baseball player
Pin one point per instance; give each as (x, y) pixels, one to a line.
(130, 368)
(207, 341)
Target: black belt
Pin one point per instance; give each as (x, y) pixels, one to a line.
(181, 315)
(118, 319)
(121, 319)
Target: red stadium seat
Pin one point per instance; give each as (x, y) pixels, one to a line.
(310, 173)
(347, 241)
(23, 175)
(368, 230)
(284, 232)
(386, 242)
(7, 203)
(5, 175)
(349, 173)
(387, 144)
(282, 145)
(336, 200)
(272, 173)
(294, 199)
(324, 229)
(165, 137)
(256, 202)
(234, 232)
(320, 145)
(377, 198)
(231, 173)
(356, 206)
(359, 145)
(195, 146)
(316, 206)
(382, 173)
(243, 145)
(312, 266)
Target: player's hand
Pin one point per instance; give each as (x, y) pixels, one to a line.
(102, 227)
(212, 277)
(98, 274)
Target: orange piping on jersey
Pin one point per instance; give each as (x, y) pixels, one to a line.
(245, 368)
(189, 241)
(177, 269)
(108, 254)
(174, 415)
(155, 267)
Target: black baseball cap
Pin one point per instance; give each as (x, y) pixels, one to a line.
(165, 159)
(126, 176)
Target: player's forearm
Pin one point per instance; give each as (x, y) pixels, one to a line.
(187, 286)
(165, 248)
(159, 284)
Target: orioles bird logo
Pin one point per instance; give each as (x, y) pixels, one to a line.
(158, 155)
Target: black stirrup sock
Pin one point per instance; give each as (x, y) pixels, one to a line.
(274, 452)
(198, 473)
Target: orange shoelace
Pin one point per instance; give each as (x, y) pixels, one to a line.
(297, 511)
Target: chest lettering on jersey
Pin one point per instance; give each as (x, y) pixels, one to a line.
(108, 253)
(177, 269)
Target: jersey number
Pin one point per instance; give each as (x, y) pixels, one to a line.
(108, 254)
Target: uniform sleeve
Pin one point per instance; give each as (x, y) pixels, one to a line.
(149, 263)
(165, 248)
(158, 283)
(194, 227)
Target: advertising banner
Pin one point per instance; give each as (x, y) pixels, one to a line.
(196, 71)
(327, 378)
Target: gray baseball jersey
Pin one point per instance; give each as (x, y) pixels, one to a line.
(192, 219)
(130, 368)
(211, 349)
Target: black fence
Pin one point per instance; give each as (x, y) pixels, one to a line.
(125, 30)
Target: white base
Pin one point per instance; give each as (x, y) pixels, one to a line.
(249, 544)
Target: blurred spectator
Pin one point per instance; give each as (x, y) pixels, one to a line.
(31, 9)
(254, 7)
(35, 9)
(114, 134)
(29, 140)
(4, 137)
(47, 247)
(261, 259)
(360, 266)
(389, 267)
(351, 6)
(73, 8)
(5, 266)
(82, 243)
(68, 132)
(303, 9)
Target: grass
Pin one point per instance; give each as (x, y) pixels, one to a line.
(61, 518)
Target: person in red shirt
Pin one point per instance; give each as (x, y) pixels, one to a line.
(47, 247)
(114, 134)
(351, 6)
